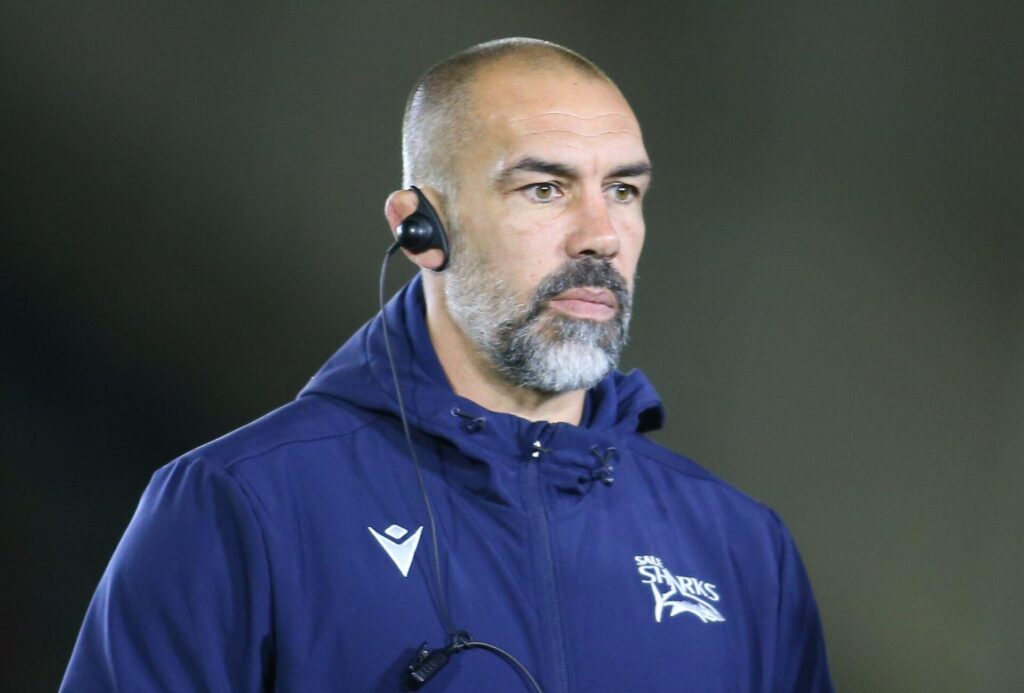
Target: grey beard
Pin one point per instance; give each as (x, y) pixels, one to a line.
(530, 346)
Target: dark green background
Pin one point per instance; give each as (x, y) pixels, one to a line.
(831, 302)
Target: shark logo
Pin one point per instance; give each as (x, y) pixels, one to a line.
(678, 594)
(401, 552)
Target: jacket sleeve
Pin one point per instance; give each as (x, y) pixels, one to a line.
(802, 666)
(184, 604)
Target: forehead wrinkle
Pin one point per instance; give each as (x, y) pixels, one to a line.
(619, 119)
(587, 150)
(567, 114)
(578, 127)
(575, 132)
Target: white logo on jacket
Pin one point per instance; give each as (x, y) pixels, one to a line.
(677, 593)
(401, 552)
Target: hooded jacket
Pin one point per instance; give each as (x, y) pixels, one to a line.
(294, 554)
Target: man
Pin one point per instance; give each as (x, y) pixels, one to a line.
(316, 548)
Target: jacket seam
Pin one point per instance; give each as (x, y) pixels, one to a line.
(233, 461)
(706, 477)
(245, 492)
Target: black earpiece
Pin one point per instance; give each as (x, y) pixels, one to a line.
(422, 230)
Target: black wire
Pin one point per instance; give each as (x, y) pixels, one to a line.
(446, 616)
(458, 640)
(508, 656)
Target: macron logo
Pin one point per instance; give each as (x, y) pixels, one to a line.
(401, 552)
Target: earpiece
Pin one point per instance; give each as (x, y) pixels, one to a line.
(422, 230)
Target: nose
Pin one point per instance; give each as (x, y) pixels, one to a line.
(594, 233)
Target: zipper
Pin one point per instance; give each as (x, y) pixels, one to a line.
(544, 566)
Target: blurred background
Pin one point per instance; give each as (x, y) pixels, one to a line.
(831, 303)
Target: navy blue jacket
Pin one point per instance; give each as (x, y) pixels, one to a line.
(294, 554)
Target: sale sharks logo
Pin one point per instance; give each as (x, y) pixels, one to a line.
(678, 594)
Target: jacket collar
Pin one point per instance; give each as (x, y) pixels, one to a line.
(359, 373)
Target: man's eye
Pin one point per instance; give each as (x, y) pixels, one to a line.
(623, 193)
(543, 192)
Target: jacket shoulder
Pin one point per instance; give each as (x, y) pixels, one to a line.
(675, 463)
(306, 421)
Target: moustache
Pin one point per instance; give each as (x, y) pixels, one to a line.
(585, 273)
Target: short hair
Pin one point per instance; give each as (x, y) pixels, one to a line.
(436, 112)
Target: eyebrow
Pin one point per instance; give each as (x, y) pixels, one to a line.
(535, 165)
(640, 168)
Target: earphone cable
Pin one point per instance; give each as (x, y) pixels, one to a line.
(442, 602)
(458, 638)
(508, 657)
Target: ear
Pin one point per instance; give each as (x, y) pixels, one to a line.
(399, 205)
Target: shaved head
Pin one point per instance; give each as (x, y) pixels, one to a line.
(439, 112)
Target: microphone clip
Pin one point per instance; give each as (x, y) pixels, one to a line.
(426, 663)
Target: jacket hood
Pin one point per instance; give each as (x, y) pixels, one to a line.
(359, 374)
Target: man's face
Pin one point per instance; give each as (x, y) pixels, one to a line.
(547, 225)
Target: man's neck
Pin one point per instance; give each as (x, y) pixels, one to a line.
(472, 376)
